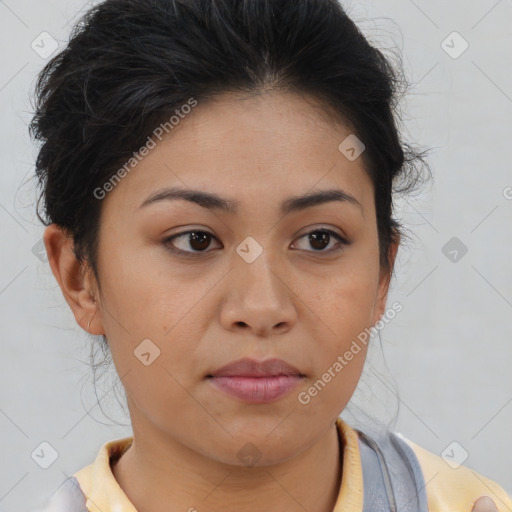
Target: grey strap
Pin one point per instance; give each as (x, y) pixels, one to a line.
(417, 499)
(378, 490)
(392, 476)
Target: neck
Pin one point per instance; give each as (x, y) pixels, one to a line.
(166, 476)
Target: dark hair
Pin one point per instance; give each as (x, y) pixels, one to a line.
(130, 64)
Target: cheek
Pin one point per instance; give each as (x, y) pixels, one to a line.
(344, 307)
(345, 300)
(143, 295)
(158, 371)
(142, 316)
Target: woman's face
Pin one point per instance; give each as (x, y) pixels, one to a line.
(252, 284)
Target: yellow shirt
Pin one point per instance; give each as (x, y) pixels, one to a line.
(448, 489)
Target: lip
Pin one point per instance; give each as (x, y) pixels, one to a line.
(247, 367)
(256, 381)
(257, 390)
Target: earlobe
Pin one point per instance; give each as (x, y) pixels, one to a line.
(72, 278)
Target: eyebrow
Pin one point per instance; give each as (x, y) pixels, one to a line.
(215, 202)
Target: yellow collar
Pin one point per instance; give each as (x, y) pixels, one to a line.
(104, 494)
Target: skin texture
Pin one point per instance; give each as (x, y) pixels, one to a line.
(202, 311)
(484, 504)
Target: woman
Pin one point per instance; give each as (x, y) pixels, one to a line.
(218, 182)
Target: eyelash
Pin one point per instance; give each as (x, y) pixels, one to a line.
(167, 242)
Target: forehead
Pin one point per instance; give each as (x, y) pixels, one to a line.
(266, 146)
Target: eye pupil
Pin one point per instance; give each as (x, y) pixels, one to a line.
(200, 236)
(324, 237)
(199, 241)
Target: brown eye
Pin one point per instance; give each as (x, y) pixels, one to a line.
(319, 239)
(196, 240)
(199, 240)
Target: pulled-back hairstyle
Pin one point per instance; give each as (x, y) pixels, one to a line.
(130, 64)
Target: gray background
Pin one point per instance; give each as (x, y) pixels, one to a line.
(447, 355)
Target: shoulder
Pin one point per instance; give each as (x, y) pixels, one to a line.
(93, 485)
(68, 498)
(454, 486)
(415, 479)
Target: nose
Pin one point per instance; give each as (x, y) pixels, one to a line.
(259, 298)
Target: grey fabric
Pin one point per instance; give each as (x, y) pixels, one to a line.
(68, 498)
(392, 476)
(375, 497)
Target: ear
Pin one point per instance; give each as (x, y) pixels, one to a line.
(384, 280)
(76, 282)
